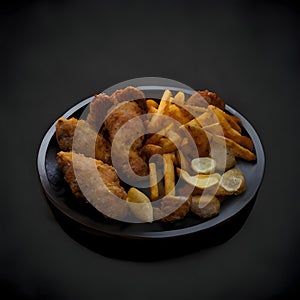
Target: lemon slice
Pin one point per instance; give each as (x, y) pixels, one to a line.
(140, 205)
(203, 165)
(232, 182)
(200, 181)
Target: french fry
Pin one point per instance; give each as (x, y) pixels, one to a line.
(151, 103)
(154, 193)
(166, 96)
(181, 161)
(163, 106)
(152, 110)
(173, 136)
(155, 138)
(160, 184)
(169, 174)
(151, 149)
(178, 113)
(167, 145)
(179, 99)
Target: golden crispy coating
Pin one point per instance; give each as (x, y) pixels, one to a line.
(98, 110)
(130, 93)
(87, 177)
(88, 142)
(116, 119)
(124, 105)
(168, 208)
(205, 206)
(205, 98)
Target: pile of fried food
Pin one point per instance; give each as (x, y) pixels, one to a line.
(206, 173)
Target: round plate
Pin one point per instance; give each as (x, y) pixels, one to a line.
(85, 216)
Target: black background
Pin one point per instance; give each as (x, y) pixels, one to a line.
(56, 53)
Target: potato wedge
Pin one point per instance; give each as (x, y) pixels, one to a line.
(207, 118)
(140, 205)
(231, 133)
(223, 155)
(238, 150)
(214, 128)
(200, 139)
(234, 122)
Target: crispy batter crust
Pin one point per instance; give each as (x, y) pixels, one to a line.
(175, 208)
(125, 104)
(205, 98)
(88, 142)
(98, 193)
(98, 110)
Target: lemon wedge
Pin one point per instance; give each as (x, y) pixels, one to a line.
(203, 165)
(200, 181)
(140, 205)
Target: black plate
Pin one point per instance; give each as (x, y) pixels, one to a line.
(91, 221)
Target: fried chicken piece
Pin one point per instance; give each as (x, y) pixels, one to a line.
(205, 206)
(173, 208)
(205, 98)
(131, 93)
(88, 142)
(94, 181)
(99, 108)
(126, 105)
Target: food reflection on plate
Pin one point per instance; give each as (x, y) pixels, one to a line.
(142, 160)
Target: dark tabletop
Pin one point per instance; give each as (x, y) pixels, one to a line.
(56, 53)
